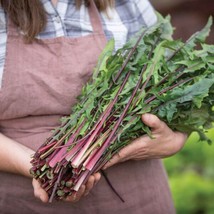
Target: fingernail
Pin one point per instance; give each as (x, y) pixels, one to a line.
(146, 116)
(42, 198)
(74, 196)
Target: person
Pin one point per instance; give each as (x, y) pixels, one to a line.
(48, 49)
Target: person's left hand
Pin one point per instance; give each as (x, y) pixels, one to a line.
(41, 194)
(165, 143)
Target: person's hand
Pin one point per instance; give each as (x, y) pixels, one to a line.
(40, 193)
(165, 143)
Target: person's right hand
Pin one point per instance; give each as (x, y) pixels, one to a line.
(40, 193)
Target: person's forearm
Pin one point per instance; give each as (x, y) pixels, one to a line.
(14, 157)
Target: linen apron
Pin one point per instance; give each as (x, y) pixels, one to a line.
(40, 84)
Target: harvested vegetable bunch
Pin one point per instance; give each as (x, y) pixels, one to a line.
(150, 73)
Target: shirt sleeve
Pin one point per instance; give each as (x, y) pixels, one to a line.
(146, 11)
(3, 40)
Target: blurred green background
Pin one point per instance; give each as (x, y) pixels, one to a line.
(191, 171)
(191, 177)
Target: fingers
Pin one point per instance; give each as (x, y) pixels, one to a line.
(142, 147)
(39, 192)
(153, 122)
(97, 177)
(77, 195)
(92, 181)
(84, 189)
(179, 141)
(114, 160)
(121, 156)
(89, 185)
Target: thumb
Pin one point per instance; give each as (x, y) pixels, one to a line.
(39, 192)
(115, 159)
(152, 121)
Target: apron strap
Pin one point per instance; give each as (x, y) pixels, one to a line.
(95, 18)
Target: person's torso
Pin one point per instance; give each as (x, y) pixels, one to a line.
(40, 81)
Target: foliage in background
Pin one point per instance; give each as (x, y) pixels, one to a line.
(191, 175)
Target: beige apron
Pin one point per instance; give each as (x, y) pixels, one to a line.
(40, 84)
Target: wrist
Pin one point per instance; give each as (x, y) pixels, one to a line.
(14, 157)
(23, 164)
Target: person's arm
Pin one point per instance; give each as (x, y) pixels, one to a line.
(14, 157)
(164, 143)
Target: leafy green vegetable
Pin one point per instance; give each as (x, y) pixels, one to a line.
(150, 73)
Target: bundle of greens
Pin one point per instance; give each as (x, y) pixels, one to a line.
(150, 73)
